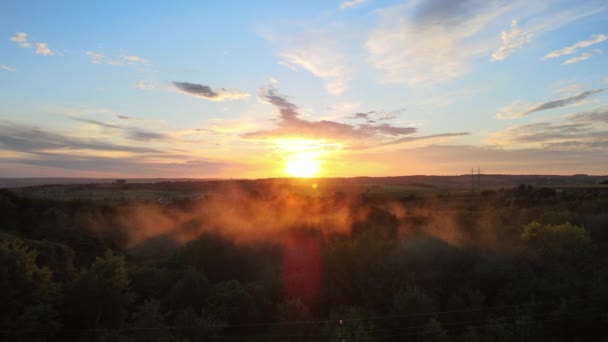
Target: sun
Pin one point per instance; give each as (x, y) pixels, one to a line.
(302, 164)
(305, 158)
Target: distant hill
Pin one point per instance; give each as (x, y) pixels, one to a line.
(459, 181)
(23, 182)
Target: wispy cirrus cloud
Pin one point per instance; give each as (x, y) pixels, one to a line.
(595, 39)
(100, 58)
(423, 137)
(517, 110)
(512, 40)
(144, 84)
(41, 48)
(7, 68)
(30, 139)
(516, 38)
(352, 3)
(322, 58)
(583, 57)
(205, 92)
(95, 122)
(139, 134)
(582, 130)
(39, 149)
(424, 43)
(129, 132)
(429, 42)
(453, 159)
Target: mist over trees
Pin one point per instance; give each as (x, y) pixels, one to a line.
(271, 264)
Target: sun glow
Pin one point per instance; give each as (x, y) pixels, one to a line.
(304, 157)
(302, 164)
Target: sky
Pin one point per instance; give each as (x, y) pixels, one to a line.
(257, 89)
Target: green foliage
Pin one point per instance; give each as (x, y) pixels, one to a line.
(99, 297)
(411, 300)
(499, 266)
(148, 323)
(232, 302)
(27, 294)
(357, 271)
(496, 330)
(190, 290)
(288, 313)
(411, 306)
(433, 332)
(471, 335)
(564, 242)
(191, 326)
(351, 323)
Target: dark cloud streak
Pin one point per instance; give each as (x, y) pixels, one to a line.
(142, 135)
(205, 92)
(564, 102)
(30, 139)
(361, 136)
(98, 123)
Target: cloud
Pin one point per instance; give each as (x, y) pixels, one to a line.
(33, 150)
(323, 59)
(352, 3)
(24, 138)
(142, 135)
(595, 39)
(7, 68)
(41, 48)
(579, 130)
(599, 115)
(141, 165)
(100, 58)
(95, 122)
(133, 59)
(373, 116)
(123, 117)
(205, 92)
(454, 159)
(511, 41)
(21, 39)
(429, 42)
(516, 38)
(582, 57)
(362, 136)
(509, 112)
(424, 43)
(145, 85)
(423, 137)
(291, 125)
(132, 133)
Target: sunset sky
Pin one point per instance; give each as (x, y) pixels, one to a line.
(239, 89)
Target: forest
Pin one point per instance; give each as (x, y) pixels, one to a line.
(258, 261)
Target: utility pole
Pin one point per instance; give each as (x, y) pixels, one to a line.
(472, 182)
(340, 339)
(479, 179)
